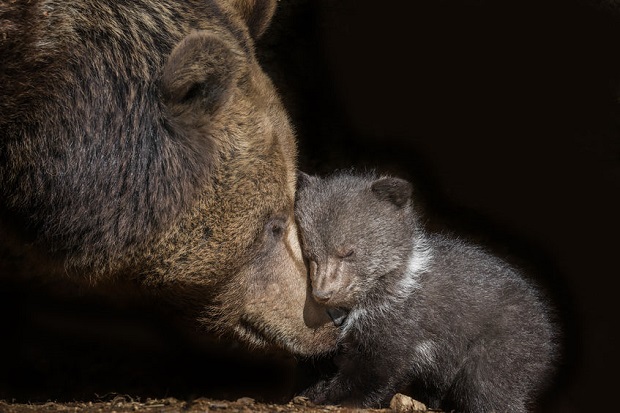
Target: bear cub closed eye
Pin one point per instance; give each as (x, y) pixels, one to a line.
(464, 329)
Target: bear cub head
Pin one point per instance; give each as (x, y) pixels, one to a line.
(357, 235)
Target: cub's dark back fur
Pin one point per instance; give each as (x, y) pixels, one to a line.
(492, 328)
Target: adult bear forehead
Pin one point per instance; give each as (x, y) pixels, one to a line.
(146, 23)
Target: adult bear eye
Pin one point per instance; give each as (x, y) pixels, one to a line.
(345, 253)
(276, 227)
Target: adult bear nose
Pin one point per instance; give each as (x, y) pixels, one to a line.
(322, 296)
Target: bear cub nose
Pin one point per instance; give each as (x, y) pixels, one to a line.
(322, 296)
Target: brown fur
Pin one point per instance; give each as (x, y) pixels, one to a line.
(142, 142)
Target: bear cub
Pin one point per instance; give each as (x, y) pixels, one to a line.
(459, 327)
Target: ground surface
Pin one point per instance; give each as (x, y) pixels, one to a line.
(122, 404)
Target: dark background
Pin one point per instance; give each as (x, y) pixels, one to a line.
(504, 115)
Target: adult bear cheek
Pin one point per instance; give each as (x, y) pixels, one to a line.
(276, 301)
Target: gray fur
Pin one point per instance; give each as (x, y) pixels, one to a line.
(460, 325)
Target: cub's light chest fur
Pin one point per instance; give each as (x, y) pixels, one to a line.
(419, 261)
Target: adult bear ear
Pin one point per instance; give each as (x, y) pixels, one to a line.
(395, 190)
(257, 14)
(199, 76)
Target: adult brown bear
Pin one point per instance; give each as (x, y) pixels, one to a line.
(141, 144)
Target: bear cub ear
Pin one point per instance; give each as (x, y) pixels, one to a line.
(200, 75)
(395, 190)
(303, 179)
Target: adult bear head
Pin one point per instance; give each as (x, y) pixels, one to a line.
(142, 143)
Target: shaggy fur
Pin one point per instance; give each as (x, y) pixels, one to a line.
(141, 142)
(461, 325)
